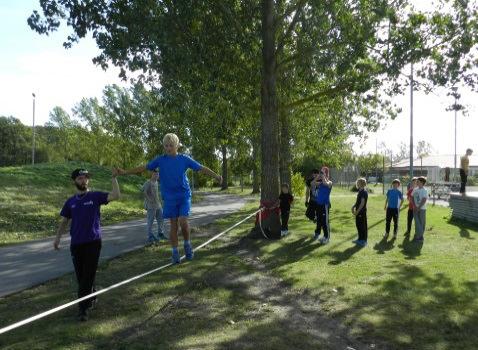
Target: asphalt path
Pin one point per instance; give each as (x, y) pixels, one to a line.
(28, 264)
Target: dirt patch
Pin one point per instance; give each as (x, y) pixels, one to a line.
(296, 311)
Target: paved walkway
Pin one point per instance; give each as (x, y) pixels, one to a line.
(28, 264)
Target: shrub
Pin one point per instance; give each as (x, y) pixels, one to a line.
(297, 185)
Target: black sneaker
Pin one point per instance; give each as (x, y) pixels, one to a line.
(82, 316)
(94, 304)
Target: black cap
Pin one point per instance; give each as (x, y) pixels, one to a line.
(80, 172)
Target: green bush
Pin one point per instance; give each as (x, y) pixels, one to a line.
(297, 185)
(472, 180)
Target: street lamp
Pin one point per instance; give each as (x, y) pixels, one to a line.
(33, 128)
(455, 107)
(411, 122)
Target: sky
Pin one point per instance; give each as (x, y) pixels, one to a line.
(33, 63)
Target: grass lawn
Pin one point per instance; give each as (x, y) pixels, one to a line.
(31, 198)
(287, 294)
(412, 296)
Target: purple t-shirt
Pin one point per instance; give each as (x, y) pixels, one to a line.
(84, 212)
(173, 181)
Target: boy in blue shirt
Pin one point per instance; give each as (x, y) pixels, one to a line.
(175, 190)
(321, 186)
(393, 203)
(83, 210)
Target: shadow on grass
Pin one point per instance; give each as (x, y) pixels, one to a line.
(427, 302)
(218, 301)
(384, 245)
(340, 257)
(411, 249)
(464, 227)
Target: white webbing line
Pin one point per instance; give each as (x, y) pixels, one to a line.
(76, 301)
(260, 222)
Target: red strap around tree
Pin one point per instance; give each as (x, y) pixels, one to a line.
(268, 208)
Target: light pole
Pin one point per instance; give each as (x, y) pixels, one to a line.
(411, 122)
(33, 128)
(455, 107)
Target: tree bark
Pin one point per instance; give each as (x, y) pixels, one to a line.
(269, 116)
(285, 154)
(256, 184)
(269, 122)
(224, 185)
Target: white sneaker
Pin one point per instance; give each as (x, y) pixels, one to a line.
(324, 240)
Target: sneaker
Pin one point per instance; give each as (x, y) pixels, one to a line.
(94, 304)
(356, 241)
(82, 316)
(324, 240)
(361, 243)
(176, 259)
(316, 236)
(282, 233)
(188, 249)
(385, 235)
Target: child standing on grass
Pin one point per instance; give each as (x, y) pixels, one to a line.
(359, 210)
(393, 203)
(285, 199)
(175, 190)
(321, 186)
(420, 196)
(413, 185)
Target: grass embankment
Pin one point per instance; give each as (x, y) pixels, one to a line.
(31, 198)
(393, 294)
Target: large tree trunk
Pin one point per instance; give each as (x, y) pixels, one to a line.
(285, 154)
(224, 167)
(255, 167)
(269, 118)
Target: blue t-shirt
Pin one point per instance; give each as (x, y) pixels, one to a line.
(84, 212)
(174, 183)
(394, 197)
(322, 194)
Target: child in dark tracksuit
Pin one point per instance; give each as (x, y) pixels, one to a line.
(359, 209)
(285, 199)
(322, 187)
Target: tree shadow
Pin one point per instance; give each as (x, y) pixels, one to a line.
(286, 253)
(427, 301)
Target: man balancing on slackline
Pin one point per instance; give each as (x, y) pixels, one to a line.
(175, 190)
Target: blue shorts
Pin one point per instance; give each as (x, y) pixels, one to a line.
(174, 208)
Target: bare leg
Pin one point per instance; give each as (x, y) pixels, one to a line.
(183, 222)
(173, 233)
